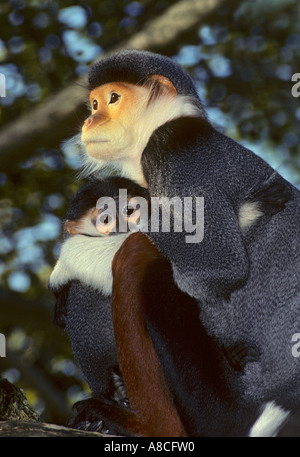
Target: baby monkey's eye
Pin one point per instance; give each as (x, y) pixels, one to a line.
(131, 211)
(105, 219)
(95, 104)
(128, 211)
(114, 98)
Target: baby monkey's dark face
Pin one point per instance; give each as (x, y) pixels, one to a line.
(109, 216)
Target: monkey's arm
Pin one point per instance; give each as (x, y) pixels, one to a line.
(147, 391)
(60, 307)
(176, 165)
(59, 284)
(188, 158)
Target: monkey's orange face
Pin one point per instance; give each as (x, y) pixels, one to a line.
(108, 133)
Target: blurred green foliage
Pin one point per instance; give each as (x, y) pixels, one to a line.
(242, 59)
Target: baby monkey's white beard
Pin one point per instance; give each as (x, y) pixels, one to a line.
(87, 260)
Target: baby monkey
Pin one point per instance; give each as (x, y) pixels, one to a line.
(100, 217)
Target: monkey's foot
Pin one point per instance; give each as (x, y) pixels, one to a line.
(95, 415)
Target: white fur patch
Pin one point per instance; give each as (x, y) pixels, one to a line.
(269, 422)
(162, 110)
(124, 168)
(249, 212)
(87, 259)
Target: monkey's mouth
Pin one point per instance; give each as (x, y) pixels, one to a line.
(88, 143)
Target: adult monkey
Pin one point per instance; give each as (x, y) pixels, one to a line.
(240, 257)
(135, 93)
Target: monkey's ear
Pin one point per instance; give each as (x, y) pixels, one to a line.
(163, 84)
(71, 227)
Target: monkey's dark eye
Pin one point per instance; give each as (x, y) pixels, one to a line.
(114, 97)
(95, 104)
(128, 210)
(105, 219)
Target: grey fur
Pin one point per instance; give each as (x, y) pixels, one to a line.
(90, 329)
(247, 284)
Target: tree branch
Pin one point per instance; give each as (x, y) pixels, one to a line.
(57, 118)
(34, 429)
(18, 418)
(56, 402)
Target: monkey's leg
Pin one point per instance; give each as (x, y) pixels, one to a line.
(147, 390)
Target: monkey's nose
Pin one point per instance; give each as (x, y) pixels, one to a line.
(88, 122)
